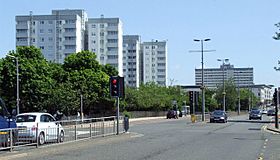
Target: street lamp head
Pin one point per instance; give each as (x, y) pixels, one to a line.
(208, 39)
(197, 40)
(226, 60)
(219, 60)
(11, 56)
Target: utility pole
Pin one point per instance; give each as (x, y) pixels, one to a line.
(277, 100)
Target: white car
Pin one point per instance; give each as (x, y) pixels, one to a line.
(48, 129)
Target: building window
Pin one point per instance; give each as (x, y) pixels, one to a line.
(41, 30)
(41, 22)
(42, 39)
(50, 22)
(112, 24)
(50, 30)
(42, 47)
(101, 25)
(50, 39)
(69, 29)
(112, 40)
(112, 32)
(70, 38)
(101, 33)
(93, 26)
(101, 41)
(112, 56)
(112, 48)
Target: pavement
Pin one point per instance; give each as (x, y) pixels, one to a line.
(271, 127)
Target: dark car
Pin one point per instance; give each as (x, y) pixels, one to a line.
(270, 112)
(218, 116)
(255, 114)
(172, 114)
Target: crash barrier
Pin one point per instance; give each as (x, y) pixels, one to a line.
(63, 131)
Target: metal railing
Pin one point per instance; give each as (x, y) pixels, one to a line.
(58, 132)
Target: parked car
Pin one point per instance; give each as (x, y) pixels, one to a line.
(48, 129)
(172, 114)
(264, 111)
(255, 114)
(218, 116)
(271, 112)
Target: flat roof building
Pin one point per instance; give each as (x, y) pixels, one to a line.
(213, 77)
(57, 35)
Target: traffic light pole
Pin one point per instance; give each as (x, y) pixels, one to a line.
(118, 114)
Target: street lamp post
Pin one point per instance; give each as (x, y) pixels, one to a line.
(238, 111)
(17, 81)
(202, 76)
(224, 91)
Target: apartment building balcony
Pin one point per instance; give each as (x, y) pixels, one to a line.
(69, 34)
(22, 35)
(69, 42)
(112, 28)
(115, 36)
(21, 26)
(72, 25)
(22, 43)
(112, 45)
(69, 51)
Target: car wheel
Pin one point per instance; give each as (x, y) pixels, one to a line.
(61, 136)
(41, 138)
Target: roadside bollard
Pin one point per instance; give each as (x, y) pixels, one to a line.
(126, 123)
(193, 118)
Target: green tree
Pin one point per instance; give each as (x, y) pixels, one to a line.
(231, 95)
(34, 78)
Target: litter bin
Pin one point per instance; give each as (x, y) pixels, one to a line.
(126, 123)
(193, 118)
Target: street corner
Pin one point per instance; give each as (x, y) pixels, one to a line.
(271, 128)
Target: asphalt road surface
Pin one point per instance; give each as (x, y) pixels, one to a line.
(166, 140)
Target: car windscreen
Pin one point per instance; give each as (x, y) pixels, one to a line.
(255, 111)
(218, 113)
(26, 118)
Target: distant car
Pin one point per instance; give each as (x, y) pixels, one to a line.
(172, 114)
(218, 116)
(255, 114)
(183, 113)
(48, 128)
(264, 111)
(271, 112)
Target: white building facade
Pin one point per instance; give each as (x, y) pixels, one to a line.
(57, 35)
(106, 41)
(131, 57)
(213, 77)
(263, 92)
(154, 62)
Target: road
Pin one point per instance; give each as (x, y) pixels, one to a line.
(168, 139)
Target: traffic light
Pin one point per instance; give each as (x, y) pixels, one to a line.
(117, 86)
(191, 97)
(191, 102)
(114, 86)
(121, 87)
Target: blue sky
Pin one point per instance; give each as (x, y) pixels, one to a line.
(240, 30)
